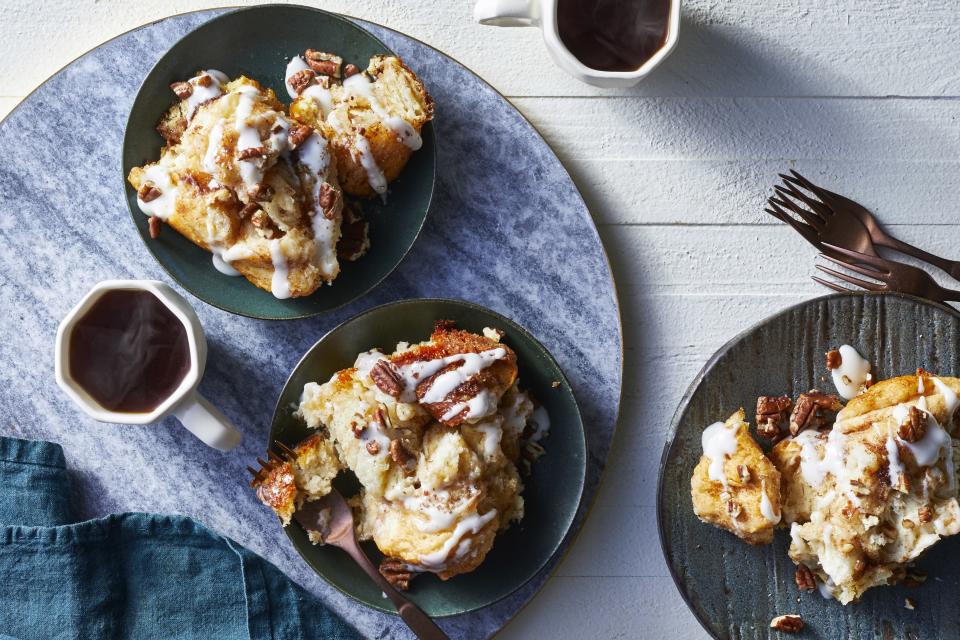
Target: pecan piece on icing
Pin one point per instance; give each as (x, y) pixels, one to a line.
(301, 80)
(155, 226)
(298, 134)
(925, 514)
(149, 192)
(804, 578)
(386, 378)
(183, 89)
(834, 359)
(204, 80)
(250, 153)
(396, 572)
(373, 447)
(915, 427)
(326, 64)
(248, 210)
(807, 410)
(326, 199)
(350, 70)
(789, 623)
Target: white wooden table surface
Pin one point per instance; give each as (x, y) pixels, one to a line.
(858, 94)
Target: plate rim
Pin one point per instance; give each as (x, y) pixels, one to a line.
(684, 403)
(568, 529)
(231, 11)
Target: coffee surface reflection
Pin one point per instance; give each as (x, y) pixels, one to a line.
(129, 351)
(613, 35)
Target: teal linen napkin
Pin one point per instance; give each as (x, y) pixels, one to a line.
(132, 575)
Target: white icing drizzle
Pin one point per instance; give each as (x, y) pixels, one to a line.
(366, 361)
(950, 399)
(279, 285)
(248, 137)
(315, 156)
(492, 434)
(825, 589)
(320, 95)
(893, 459)
(851, 376)
(214, 142)
(814, 467)
(766, 507)
(719, 442)
(541, 423)
(201, 94)
(920, 386)
(378, 182)
(294, 66)
(222, 257)
(405, 132)
(163, 206)
(444, 384)
(473, 524)
(482, 404)
(439, 513)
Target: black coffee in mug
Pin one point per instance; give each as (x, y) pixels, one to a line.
(613, 35)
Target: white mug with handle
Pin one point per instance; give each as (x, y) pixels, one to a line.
(195, 412)
(543, 14)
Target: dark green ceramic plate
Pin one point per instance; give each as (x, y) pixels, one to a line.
(735, 589)
(258, 42)
(552, 492)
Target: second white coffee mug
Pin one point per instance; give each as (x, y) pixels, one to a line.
(194, 411)
(543, 14)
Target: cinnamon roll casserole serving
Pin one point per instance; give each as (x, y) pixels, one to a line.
(439, 434)
(864, 489)
(261, 186)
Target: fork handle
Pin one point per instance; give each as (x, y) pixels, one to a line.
(416, 619)
(881, 237)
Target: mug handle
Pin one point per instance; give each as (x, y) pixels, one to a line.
(507, 13)
(208, 423)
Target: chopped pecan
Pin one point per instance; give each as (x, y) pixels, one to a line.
(373, 447)
(261, 192)
(183, 89)
(771, 412)
(733, 509)
(396, 572)
(155, 225)
(444, 325)
(386, 378)
(248, 210)
(205, 80)
(350, 70)
(301, 80)
(804, 578)
(834, 360)
(400, 455)
(326, 64)
(743, 471)
(915, 427)
(789, 623)
(250, 152)
(326, 199)
(806, 411)
(925, 514)
(149, 192)
(298, 134)
(265, 226)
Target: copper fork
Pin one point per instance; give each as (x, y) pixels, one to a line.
(892, 276)
(332, 518)
(841, 221)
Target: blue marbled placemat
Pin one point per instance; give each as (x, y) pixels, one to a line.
(507, 229)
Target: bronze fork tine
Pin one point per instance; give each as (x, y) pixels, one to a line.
(863, 284)
(808, 232)
(795, 179)
(821, 211)
(809, 217)
(832, 285)
(880, 264)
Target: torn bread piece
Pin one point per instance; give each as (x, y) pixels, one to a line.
(734, 486)
(243, 181)
(868, 497)
(287, 485)
(373, 118)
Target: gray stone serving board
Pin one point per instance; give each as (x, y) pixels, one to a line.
(735, 589)
(507, 229)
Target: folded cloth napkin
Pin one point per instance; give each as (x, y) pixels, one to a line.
(131, 575)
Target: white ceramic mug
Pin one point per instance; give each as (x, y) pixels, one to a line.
(543, 14)
(194, 411)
